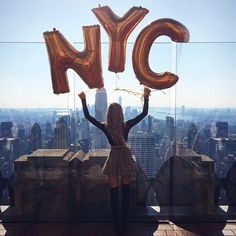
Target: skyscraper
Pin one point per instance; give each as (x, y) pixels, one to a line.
(61, 134)
(21, 131)
(6, 130)
(48, 135)
(100, 104)
(84, 129)
(73, 129)
(24, 141)
(142, 146)
(84, 139)
(9, 152)
(100, 114)
(150, 124)
(193, 139)
(221, 129)
(144, 125)
(35, 137)
(120, 100)
(219, 153)
(170, 127)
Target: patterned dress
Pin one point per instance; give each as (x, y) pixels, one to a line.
(119, 161)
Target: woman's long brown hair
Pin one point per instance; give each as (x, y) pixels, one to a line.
(115, 123)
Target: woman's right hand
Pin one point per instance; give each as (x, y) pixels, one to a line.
(82, 95)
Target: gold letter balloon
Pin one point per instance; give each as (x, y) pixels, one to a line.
(118, 30)
(62, 56)
(168, 27)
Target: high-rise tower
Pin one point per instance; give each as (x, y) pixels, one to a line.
(170, 127)
(6, 130)
(100, 114)
(193, 139)
(142, 146)
(100, 104)
(35, 137)
(221, 129)
(61, 134)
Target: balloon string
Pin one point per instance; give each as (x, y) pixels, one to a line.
(129, 91)
(117, 78)
(136, 93)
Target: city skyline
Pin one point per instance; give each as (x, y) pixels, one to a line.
(153, 142)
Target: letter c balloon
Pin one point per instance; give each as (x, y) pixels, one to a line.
(168, 27)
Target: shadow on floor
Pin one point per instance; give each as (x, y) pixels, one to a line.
(71, 229)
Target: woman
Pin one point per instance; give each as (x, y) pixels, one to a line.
(120, 161)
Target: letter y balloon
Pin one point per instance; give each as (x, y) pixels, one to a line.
(118, 30)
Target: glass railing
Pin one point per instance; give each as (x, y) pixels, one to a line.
(51, 158)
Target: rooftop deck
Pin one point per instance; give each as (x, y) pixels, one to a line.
(144, 228)
(105, 229)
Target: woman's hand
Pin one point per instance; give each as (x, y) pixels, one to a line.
(82, 95)
(146, 92)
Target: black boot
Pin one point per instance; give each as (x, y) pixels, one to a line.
(115, 208)
(125, 190)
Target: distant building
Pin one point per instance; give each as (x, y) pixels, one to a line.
(84, 135)
(127, 112)
(193, 138)
(6, 130)
(100, 104)
(205, 141)
(183, 111)
(35, 137)
(221, 129)
(142, 146)
(73, 129)
(130, 112)
(48, 136)
(61, 134)
(150, 124)
(9, 149)
(21, 131)
(144, 125)
(100, 140)
(170, 127)
(9, 152)
(24, 141)
(223, 152)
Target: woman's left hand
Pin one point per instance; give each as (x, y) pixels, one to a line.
(146, 91)
(82, 95)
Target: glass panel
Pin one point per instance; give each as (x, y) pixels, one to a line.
(184, 148)
(204, 167)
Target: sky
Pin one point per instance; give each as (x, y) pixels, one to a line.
(206, 66)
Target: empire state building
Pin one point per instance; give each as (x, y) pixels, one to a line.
(100, 114)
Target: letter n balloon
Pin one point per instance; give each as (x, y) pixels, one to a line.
(62, 56)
